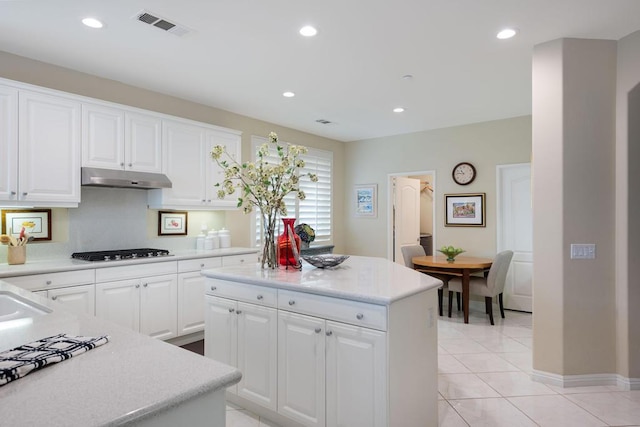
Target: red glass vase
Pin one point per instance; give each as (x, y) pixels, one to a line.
(287, 256)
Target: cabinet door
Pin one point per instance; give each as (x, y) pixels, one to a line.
(220, 332)
(215, 174)
(190, 298)
(8, 143)
(49, 148)
(102, 137)
(257, 354)
(143, 143)
(119, 302)
(301, 368)
(77, 299)
(356, 376)
(158, 306)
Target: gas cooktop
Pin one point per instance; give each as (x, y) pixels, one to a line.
(120, 254)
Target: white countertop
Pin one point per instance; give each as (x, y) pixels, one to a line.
(127, 379)
(41, 266)
(365, 279)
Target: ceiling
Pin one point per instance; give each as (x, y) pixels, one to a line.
(241, 55)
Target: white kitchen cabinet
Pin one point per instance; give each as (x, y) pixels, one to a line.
(244, 335)
(239, 259)
(191, 293)
(142, 142)
(77, 299)
(187, 163)
(119, 302)
(8, 143)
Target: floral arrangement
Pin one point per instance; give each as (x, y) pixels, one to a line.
(450, 252)
(263, 185)
(306, 233)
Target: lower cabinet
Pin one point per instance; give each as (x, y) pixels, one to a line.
(244, 335)
(191, 293)
(147, 305)
(77, 299)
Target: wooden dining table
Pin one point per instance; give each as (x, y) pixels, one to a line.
(462, 266)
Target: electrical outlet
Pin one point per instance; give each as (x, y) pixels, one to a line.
(583, 251)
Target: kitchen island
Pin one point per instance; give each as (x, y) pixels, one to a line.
(354, 345)
(131, 380)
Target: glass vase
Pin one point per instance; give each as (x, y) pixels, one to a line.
(288, 254)
(269, 258)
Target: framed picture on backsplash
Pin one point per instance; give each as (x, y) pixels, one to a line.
(36, 223)
(172, 223)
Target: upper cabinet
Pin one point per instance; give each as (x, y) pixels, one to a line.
(187, 163)
(113, 138)
(39, 149)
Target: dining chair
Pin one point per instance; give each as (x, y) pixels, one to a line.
(411, 251)
(489, 286)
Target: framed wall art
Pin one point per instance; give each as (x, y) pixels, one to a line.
(172, 223)
(367, 200)
(464, 210)
(36, 222)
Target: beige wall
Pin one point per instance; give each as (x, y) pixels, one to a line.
(485, 145)
(42, 74)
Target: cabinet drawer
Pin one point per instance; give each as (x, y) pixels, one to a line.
(53, 280)
(249, 293)
(109, 274)
(353, 312)
(239, 259)
(198, 264)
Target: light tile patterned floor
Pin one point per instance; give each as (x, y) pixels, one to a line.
(484, 380)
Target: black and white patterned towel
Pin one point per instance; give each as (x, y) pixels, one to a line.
(18, 362)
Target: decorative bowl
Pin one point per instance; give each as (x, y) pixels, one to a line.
(325, 260)
(450, 252)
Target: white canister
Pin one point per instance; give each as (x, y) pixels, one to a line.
(200, 240)
(225, 238)
(213, 240)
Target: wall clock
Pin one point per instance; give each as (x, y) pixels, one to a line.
(464, 173)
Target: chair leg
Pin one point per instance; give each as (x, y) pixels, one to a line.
(501, 306)
(489, 307)
(458, 295)
(440, 295)
(450, 301)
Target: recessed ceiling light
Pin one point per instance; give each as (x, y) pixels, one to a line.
(308, 31)
(92, 22)
(398, 110)
(507, 33)
(288, 94)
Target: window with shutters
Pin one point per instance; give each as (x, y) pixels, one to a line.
(316, 208)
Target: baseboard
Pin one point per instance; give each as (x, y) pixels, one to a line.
(567, 381)
(186, 339)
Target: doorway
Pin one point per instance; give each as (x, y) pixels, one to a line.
(411, 207)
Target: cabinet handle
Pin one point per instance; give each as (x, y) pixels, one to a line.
(291, 302)
(130, 164)
(204, 201)
(318, 330)
(122, 164)
(359, 316)
(138, 285)
(25, 193)
(329, 333)
(239, 311)
(48, 282)
(231, 310)
(55, 297)
(259, 297)
(13, 193)
(241, 261)
(202, 266)
(209, 201)
(145, 285)
(213, 288)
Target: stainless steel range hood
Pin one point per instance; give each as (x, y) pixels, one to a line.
(96, 177)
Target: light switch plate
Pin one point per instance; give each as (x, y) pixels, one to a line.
(583, 251)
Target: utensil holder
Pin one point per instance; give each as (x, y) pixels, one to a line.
(16, 255)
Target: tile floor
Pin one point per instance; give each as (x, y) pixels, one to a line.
(484, 381)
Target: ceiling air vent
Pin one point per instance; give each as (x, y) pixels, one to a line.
(323, 121)
(161, 23)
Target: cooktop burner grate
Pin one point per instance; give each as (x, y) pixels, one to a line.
(119, 254)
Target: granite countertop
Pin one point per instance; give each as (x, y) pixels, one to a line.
(365, 279)
(41, 266)
(127, 379)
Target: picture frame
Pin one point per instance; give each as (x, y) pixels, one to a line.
(366, 200)
(172, 223)
(37, 222)
(465, 210)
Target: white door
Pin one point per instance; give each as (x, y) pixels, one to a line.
(356, 376)
(515, 232)
(301, 370)
(102, 137)
(8, 143)
(119, 302)
(77, 299)
(159, 306)
(221, 332)
(190, 297)
(406, 214)
(257, 354)
(143, 143)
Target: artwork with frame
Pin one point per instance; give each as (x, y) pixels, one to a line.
(465, 210)
(37, 222)
(172, 223)
(367, 200)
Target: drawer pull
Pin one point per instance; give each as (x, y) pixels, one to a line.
(318, 330)
(138, 285)
(291, 302)
(329, 333)
(213, 288)
(231, 310)
(241, 261)
(260, 297)
(145, 285)
(359, 316)
(239, 312)
(202, 265)
(48, 282)
(55, 297)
